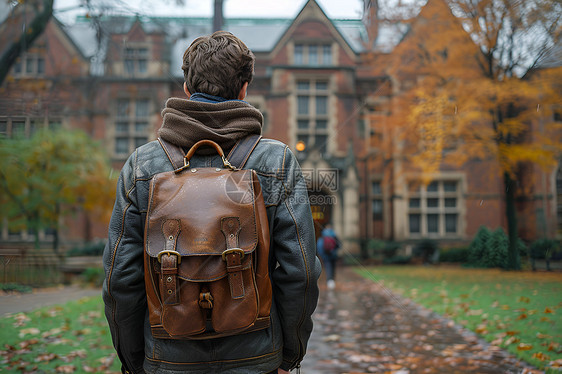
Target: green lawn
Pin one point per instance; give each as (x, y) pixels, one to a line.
(69, 338)
(519, 311)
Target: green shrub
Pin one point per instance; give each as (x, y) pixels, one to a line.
(496, 254)
(479, 246)
(426, 249)
(93, 276)
(490, 249)
(390, 249)
(543, 249)
(15, 287)
(89, 249)
(376, 248)
(397, 260)
(459, 255)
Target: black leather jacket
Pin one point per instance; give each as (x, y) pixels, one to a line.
(294, 280)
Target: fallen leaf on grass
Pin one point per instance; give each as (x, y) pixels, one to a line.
(540, 356)
(27, 343)
(524, 299)
(545, 319)
(55, 331)
(556, 363)
(524, 347)
(521, 316)
(66, 369)
(511, 340)
(511, 333)
(30, 331)
(542, 336)
(21, 319)
(481, 329)
(553, 346)
(547, 310)
(46, 357)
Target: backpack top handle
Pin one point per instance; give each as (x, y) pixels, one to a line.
(209, 143)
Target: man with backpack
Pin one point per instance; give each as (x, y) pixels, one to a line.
(327, 246)
(210, 264)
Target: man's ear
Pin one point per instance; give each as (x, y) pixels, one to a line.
(243, 90)
(186, 90)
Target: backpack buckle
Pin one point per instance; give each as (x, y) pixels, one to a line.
(171, 253)
(233, 250)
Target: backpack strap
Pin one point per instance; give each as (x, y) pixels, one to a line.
(242, 150)
(175, 154)
(237, 156)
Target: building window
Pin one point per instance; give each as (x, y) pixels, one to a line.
(433, 210)
(25, 127)
(313, 54)
(131, 125)
(29, 65)
(376, 201)
(312, 114)
(135, 60)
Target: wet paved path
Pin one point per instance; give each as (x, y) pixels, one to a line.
(362, 328)
(16, 302)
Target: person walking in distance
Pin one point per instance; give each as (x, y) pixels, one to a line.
(328, 245)
(217, 71)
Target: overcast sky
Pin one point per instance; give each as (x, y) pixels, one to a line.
(66, 10)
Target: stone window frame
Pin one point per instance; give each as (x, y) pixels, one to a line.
(29, 64)
(138, 66)
(311, 131)
(302, 53)
(434, 201)
(126, 126)
(28, 124)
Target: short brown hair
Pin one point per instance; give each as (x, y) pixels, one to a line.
(218, 65)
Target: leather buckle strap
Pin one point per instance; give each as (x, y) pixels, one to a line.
(178, 256)
(233, 250)
(233, 256)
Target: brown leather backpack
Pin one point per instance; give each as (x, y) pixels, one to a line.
(207, 247)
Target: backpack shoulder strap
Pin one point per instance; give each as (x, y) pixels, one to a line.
(242, 150)
(175, 154)
(237, 156)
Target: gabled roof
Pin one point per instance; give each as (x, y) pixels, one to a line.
(261, 35)
(312, 10)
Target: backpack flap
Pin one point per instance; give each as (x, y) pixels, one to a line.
(201, 233)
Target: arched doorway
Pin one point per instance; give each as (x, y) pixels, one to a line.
(321, 204)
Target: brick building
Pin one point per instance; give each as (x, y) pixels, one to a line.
(315, 84)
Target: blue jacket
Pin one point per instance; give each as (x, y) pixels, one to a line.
(320, 244)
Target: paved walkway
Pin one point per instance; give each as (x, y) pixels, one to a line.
(15, 303)
(360, 327)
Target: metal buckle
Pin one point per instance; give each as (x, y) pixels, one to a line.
(227, 164)
(233, 250)
(169, 253)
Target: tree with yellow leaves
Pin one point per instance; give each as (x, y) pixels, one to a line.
(471, 87)
(43, 177)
